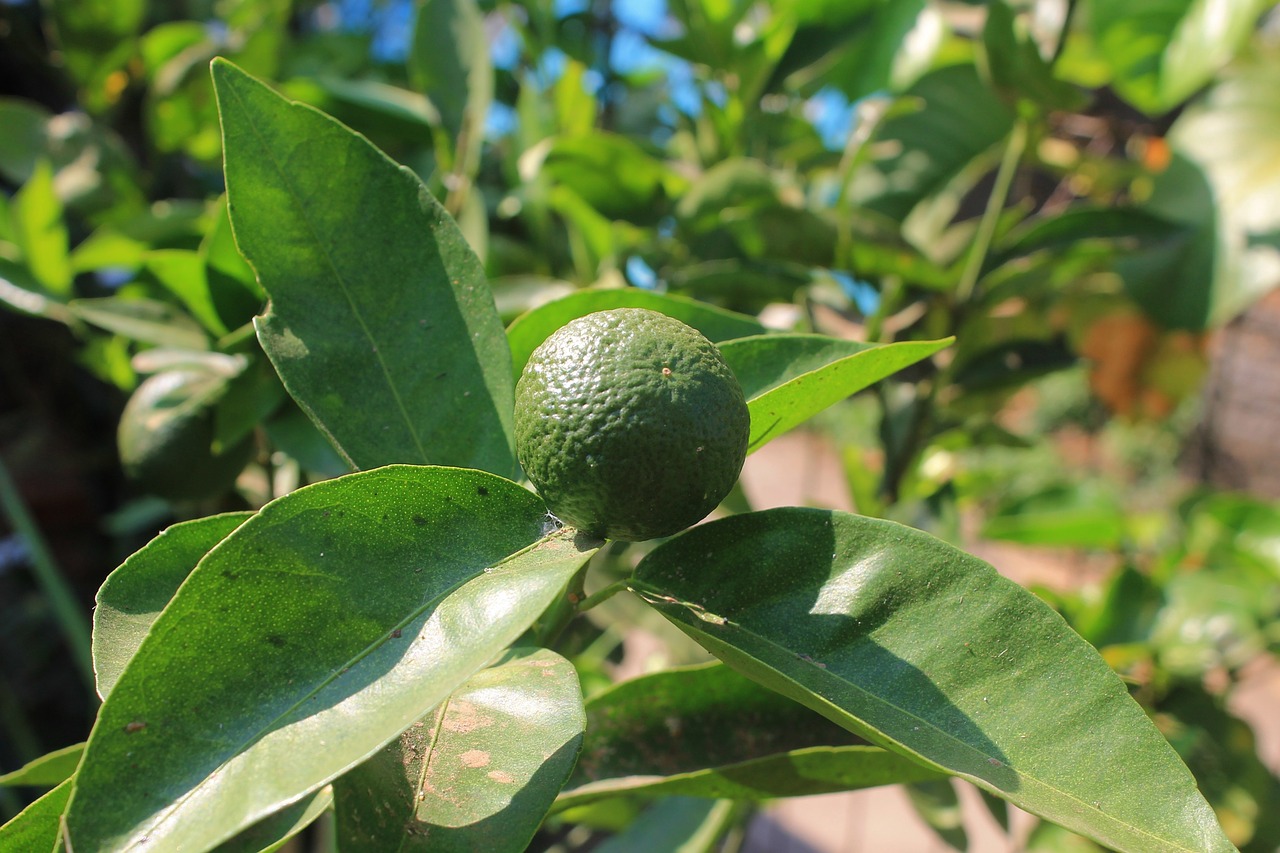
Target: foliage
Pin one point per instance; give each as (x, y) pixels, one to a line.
(895, 220)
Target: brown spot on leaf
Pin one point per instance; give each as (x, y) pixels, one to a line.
(462, 717)
(474, 758)
(499, 776)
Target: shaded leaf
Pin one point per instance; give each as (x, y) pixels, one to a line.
(305, 641)
(381, 323)
(959, 120)
(36, 826)
(939, 806)
(23, 142)
(48, 770)
(707, 731)
(132, 596)
(790, 378)
(611, 173)
(479, 772)
(677, 824)
(146, 320)
(927, 651)
(1016, 67)
(271, 833)
(449, 61)
(797, 773)
(531, 329)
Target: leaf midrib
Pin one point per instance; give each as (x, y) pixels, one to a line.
(342, 283)
(273, 725)
(695, 621)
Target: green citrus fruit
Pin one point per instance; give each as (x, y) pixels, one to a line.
(630, 424)
(166, 435)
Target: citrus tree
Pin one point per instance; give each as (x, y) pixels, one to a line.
(380, 646)
(407, 650)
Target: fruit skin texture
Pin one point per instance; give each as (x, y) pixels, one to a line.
(630, 424)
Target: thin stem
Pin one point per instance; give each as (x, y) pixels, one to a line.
(68, 613)
(602, 595)
(1013, 151)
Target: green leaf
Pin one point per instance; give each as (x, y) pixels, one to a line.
(23, 142)
(611, 173)
(271, 833)
(1077, 517)
(678, 825)
(41, 232)
(796, 773)
(630, 748)
(479, 772)
(627, 721)
(306, 640)
(1162, 51)
(133, 595)
(1232, 136)
(1016, 67)
(182, 273)
(36, 827)
(927, 651)
(530, 330)
(21, 292)
(95, 38)
(939, 806)
(146, 320)
(959, 120)
(48, 770)
(381, 323)
(1128, 226)
(449, 61)
(790, 378)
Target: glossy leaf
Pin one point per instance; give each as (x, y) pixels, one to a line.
(132, 596)
(530, 330)
(21, 292)
(479, 772)
(146, 320)
(381, 323)
(271, 833)
(796, 773)
(1162, 51)
(48, 770)
(707, 731)
(926, 650)
(790, 378)
(722, 717)
(306, 640)
(36, 827)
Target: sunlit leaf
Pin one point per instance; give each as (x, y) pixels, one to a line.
(927, 651)
(479, 772)
(381, 324)
(306, 640)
